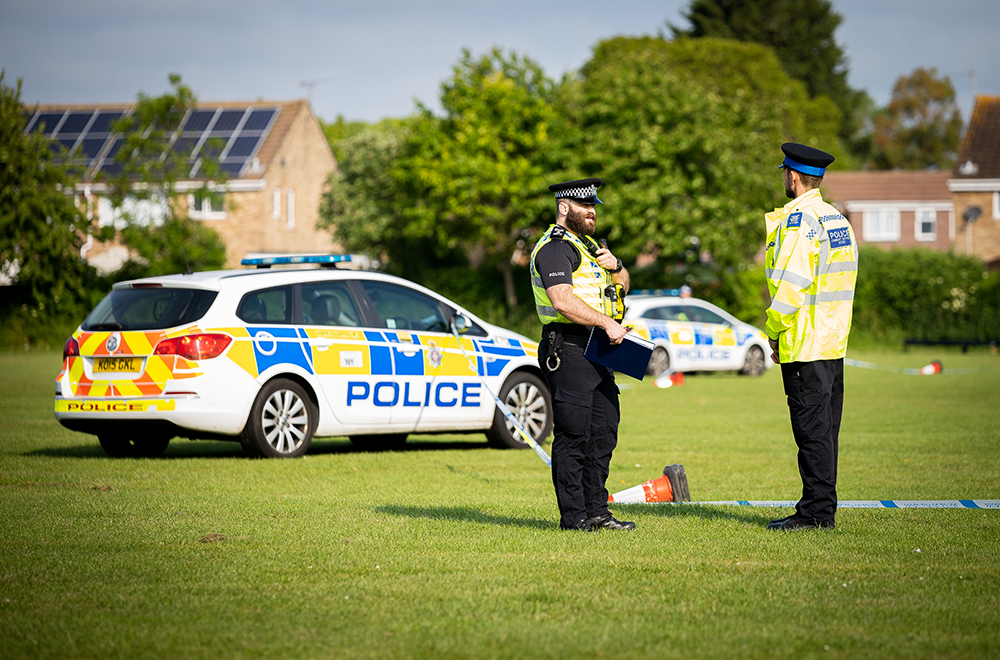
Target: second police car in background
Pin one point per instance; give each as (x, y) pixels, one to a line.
(272, 357)
(695, 335)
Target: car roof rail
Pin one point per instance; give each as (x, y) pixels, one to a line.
(324, 260)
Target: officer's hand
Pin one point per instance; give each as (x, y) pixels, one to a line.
(774, 350)
(607, 260)
(616, 332)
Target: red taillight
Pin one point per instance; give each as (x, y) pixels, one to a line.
(194, 347)
(71, 348)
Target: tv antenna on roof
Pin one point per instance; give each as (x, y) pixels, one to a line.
(309, 84)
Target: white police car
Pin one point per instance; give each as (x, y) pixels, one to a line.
(272, 357)
(694, 335)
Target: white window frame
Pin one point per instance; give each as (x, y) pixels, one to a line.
(204, 213)
(925, 214)
(996, 205)
(276, 204)
(144, 212)
(290, 194)
(881, 225)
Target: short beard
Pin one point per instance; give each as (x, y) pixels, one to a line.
(790, 193)
(577, 222)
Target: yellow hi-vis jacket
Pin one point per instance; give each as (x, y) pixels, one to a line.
(589, 279)
(811, 265)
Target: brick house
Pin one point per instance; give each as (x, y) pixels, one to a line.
(275, 155)
(897, 208)
(975, 184)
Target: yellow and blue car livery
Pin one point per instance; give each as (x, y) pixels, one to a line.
(201, 378)
(693, 335)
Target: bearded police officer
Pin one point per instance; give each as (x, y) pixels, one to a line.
(811, 267)
(579, 286)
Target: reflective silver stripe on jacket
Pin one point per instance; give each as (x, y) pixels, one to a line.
(829, 296)
(788, 276)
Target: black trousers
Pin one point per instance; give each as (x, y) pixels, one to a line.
(586, 413)
(815, 392)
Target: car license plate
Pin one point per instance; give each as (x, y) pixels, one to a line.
(117, 364)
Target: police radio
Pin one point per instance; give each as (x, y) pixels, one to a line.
(614, 294)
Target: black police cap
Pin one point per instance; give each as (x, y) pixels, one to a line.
(804, 159)
(580, 190)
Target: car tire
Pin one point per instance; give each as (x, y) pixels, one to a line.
(753, 364)
(659, 361)
(282, 421)
(119, 445)
(529, 400)
(382, 442)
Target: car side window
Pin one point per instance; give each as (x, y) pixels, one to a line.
(702, 315)
(329, 303)
(400, 308)
(656, 314)
(266, 306)
(668, 313)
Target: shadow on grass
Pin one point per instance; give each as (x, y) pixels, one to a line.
(180, 448)
(711, 513)
(463, 514)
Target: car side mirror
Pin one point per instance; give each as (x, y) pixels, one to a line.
(460, 323)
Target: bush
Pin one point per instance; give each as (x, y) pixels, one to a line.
(925, 295)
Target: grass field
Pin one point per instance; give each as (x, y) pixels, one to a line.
(450, 549)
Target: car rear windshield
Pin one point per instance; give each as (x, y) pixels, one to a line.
(149, 309)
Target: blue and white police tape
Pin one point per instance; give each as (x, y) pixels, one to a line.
(927, 370)
(867, 504)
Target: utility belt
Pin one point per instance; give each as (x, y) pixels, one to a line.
(559, 334)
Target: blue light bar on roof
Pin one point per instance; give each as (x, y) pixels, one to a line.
(655, 292)
(322, 259)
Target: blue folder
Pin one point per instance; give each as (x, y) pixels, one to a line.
(629, 357)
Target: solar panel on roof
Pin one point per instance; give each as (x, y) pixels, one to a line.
(75, 122)
(48, 121)
(243, 146)
(259, 119)
(185, 145)
(199, 120)
(228, 120)
(103, 122)
(233, 168)
(91, 147)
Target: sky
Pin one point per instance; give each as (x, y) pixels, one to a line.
(369, 59)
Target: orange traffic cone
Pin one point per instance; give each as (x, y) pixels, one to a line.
(932, 368)
(664, 381)
(671, 487)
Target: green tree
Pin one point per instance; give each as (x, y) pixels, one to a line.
(153, 160)
(686, 135)
(468, 183)
(41, 233)
(802, 33)
(921, 126)
(339, 130)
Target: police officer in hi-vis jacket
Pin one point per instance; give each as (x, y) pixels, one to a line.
(811, 263)
(578, 286)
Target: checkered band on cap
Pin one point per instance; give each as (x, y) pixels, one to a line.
(586, 191)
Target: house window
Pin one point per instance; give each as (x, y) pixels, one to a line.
(925, 224)
(137, 212)
(881, 225)
(276, 204)
(207, 204)
(291, 208)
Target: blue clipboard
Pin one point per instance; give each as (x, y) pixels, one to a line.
(631, 357)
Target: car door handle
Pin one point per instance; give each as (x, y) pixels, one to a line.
(321, 343)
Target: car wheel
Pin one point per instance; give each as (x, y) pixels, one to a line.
(282, 421)
(119, 445)
(754, 364)
(529, 401)
(659, 361)
(383, 442)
